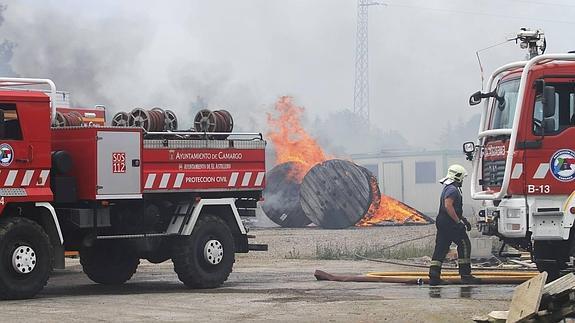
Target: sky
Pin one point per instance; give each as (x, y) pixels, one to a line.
(243, 55)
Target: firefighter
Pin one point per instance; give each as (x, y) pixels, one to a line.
(451, 227)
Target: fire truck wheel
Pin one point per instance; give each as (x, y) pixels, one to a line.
(26, 258)
(108, 263)
(206, 257)
(549, 257)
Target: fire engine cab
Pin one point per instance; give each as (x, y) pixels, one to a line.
(117, 195)
(524, 158)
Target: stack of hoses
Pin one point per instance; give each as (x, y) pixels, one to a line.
(68, 119)
(159, 120)
(214, 121)
(154, 120)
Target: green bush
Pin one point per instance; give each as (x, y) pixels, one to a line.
(340, 251)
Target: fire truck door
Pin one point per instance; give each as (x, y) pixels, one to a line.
(118, 165)
(550, 168)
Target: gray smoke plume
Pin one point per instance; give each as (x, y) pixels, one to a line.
(242, 55)
(6, 50)
(111, 60)
(85, 57)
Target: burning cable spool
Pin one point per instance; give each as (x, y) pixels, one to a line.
(336, 194)
(282, 197)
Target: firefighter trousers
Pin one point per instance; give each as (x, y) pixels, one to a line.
(448, 232)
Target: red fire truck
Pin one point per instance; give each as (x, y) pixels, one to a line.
(524, 159)
(117, 195)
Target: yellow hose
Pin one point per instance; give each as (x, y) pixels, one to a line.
(449, 274)
(487, 277)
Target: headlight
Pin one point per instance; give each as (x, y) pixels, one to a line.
(513, 213)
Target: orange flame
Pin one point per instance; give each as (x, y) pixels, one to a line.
(293, 144)
(385, 209)
(291, 141)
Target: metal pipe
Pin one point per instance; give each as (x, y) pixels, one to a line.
(13, 81)
(484, 119)
(187, 133)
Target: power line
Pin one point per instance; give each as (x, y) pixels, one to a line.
(480, 13)
(546, 3)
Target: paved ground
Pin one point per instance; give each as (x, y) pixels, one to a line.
(261, 288)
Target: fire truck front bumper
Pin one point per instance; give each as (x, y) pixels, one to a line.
(508, 219)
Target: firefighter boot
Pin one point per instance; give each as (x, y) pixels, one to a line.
(470, 280)
(466, 277)
(437, 282)
(435, 274)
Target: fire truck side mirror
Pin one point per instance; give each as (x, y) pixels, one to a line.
(469, 149)
(2, 125)
(548, 101)
(475, 98)
(549, 125)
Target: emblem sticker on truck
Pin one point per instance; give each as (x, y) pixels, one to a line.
(562, 165)
(494, 151)
(118, 162)
(6, 155)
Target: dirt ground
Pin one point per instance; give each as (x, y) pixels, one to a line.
(265, 286)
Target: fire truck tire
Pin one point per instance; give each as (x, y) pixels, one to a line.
(108, 263)
(205, 258)
(551, 252)
(26, 258)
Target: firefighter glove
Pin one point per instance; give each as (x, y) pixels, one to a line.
(466, 223)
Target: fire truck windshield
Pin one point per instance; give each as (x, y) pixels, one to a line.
(503, 109)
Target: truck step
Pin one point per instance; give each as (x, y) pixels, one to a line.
(134, 236)
(510, 254)
(257, 247)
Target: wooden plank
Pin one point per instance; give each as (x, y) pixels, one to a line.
(72, 254)
(493, 317)
(523, 263)
(498, 316)
(526, 299)
(560, 285)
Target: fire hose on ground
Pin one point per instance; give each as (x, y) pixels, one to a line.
(487, 275)
(406, 277)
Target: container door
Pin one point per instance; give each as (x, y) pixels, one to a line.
(118, 165)
(393, 179)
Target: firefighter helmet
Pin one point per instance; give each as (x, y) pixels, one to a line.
(455, 173)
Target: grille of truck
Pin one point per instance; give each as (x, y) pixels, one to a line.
(493, 171)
